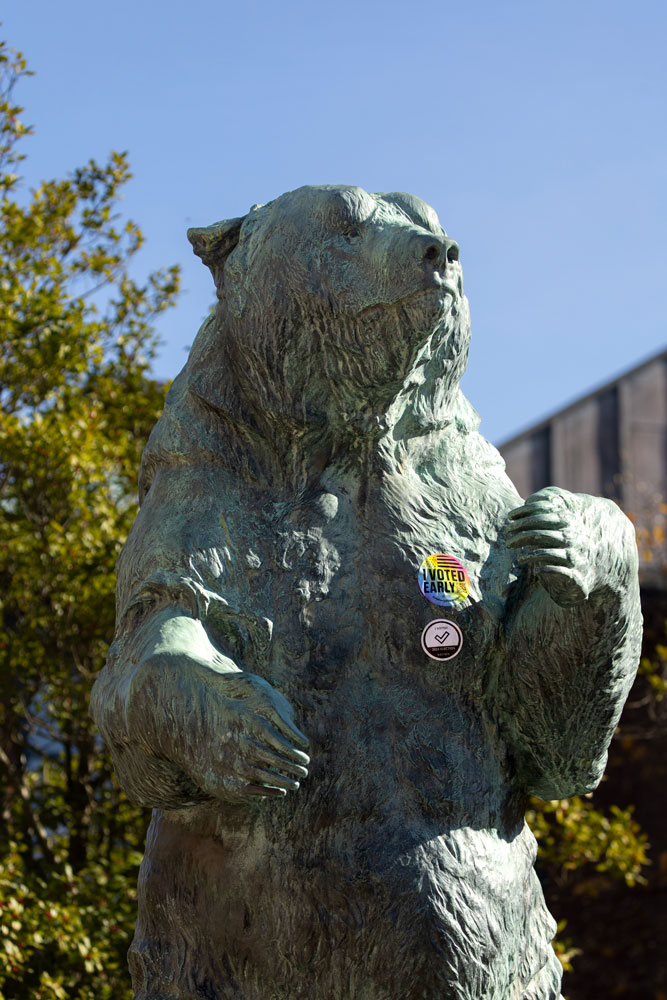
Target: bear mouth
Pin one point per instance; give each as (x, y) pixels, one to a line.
(437, 301)
(442, 284)
(442, 294)
(448, 289)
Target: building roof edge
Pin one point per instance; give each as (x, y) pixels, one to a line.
(609, 384)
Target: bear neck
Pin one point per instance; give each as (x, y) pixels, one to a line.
(288, 418)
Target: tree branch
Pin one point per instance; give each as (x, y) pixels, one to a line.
(32, 820)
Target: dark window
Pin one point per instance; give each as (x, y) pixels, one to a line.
(540, 458)
(609, 444)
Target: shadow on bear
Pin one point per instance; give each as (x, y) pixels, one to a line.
(313, 452)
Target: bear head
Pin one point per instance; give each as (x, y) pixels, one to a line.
(338, 309)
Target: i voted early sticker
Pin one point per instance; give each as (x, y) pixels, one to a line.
(443, 580)
(442, 639)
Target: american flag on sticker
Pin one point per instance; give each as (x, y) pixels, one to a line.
(443, 580)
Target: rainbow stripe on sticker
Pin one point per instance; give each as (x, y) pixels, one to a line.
(443, 580)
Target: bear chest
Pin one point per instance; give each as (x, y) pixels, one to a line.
(345, 596)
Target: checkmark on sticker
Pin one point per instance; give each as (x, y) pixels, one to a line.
(442, 639)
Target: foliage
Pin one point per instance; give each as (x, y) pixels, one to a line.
(651, 526)
(564, 948)
(655, 671)
(77, 406)
(573, 835)
(585, 848)
(66, 935)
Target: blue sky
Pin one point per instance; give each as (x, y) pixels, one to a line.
(537, 130)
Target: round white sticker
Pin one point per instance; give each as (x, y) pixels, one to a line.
(442, 639)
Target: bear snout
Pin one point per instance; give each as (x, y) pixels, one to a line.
(436, 251)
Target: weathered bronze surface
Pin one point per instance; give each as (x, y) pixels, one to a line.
(313, 451)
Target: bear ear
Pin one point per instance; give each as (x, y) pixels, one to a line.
(214, 243)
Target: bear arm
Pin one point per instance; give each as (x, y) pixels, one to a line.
(151, 679)
(568, 670)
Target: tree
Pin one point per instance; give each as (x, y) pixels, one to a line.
(78, 403)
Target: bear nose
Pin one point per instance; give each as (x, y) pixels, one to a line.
(439, 252)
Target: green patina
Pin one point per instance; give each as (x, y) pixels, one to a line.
(315, 449)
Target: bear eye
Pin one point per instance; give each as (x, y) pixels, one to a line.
(352, 234)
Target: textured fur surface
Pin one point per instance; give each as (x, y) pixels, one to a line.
(313, 451)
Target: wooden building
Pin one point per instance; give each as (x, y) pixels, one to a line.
(613, 443)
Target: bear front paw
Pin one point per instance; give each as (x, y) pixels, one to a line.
(551, 532)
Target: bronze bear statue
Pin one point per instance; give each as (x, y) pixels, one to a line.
(313, 452)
